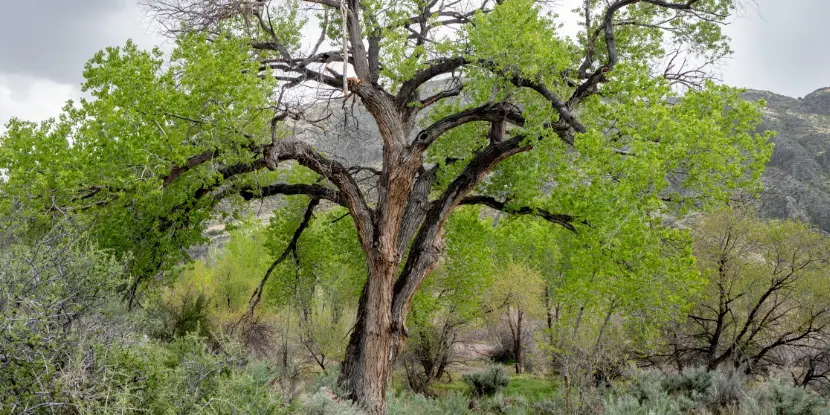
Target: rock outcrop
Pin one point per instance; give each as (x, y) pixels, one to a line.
(797, 178)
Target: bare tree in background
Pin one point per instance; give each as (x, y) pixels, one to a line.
(765, 306)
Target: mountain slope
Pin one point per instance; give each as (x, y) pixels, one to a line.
(797, 178)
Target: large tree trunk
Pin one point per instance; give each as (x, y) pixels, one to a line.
(375, 340)
(366, 367)
(403, 211)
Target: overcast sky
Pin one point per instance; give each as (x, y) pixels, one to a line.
(780, 46)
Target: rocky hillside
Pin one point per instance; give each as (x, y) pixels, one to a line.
(797, 178)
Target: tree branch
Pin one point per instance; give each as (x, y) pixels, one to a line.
(447, 93)
(408, 90)
(256, 297)
(192, 162)
(491, 202)
(350, 193)
(314, 191)
(561, 107)
(488, 112)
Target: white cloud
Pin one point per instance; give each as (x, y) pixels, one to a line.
(133, 23)
(31, 98)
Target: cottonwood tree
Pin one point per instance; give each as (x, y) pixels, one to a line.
(474, 102)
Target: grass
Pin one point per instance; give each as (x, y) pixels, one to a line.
(529, 386)
(444, 388)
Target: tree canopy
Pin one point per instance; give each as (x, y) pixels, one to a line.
(474, 103)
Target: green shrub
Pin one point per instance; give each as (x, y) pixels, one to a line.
(776, 397)
(418, 404)
(659, 403)
(500, 404)
(488, 381)
(324, 402)
(549, 407)
(692, 381)
(48, 286)
(703, 388)
(179, 314)
(326, 380)
(695, 389)
(183, 376)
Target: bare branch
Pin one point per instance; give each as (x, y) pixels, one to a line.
(314, 191)
(256, 297)
(491, 202)
(408, 90)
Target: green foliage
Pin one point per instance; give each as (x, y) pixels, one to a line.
(417, 404)
(328, 262)
(153, 149)
(644, 143)
(237, 268)
(117, 149)
(694, 388)
(766, 283)
(177, 317)
(181, 377)
(324, 334)
(519, 287)
(533, 50)
(712, 392)
(326, 275)
(324, 402)
(488, 382)
(779, 397)
(456, 289)
(326, 381)
(659, 403)
(65, 348)
(532, 387)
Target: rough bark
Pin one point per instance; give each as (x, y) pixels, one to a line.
(366, 367)
(517, 341)
(365, 370)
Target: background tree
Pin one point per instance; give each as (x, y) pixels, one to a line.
(452, 300)
(517, 290)
(160, 142)
(765, 304)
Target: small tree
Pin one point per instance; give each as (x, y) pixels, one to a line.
(51, 283)
(518, 290)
